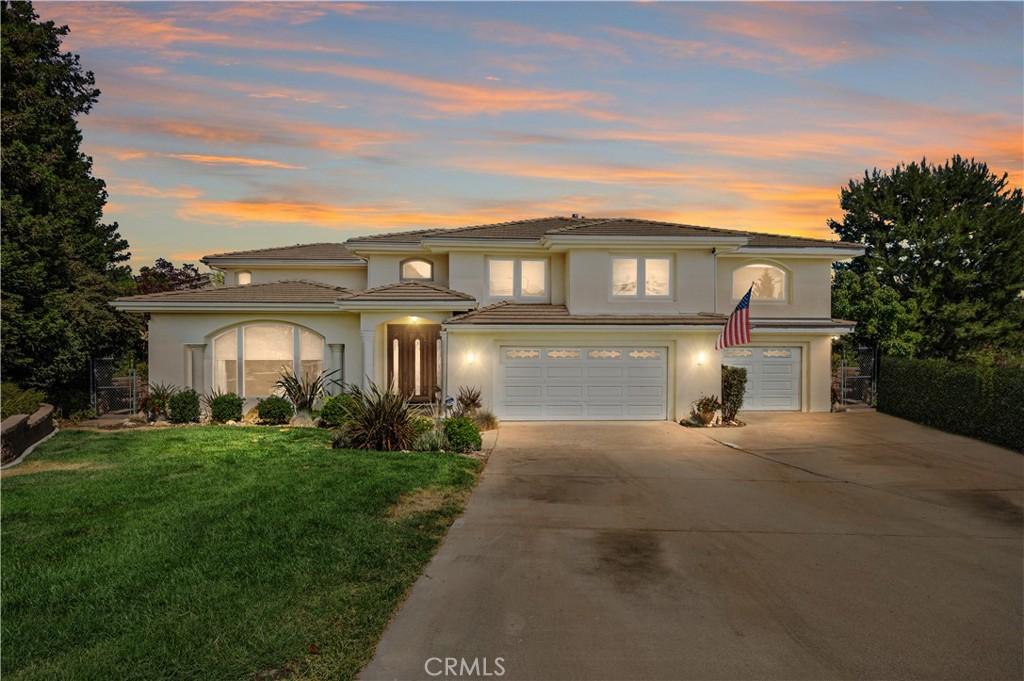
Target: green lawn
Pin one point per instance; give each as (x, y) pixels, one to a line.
(212, 552)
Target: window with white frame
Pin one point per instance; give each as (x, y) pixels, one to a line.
(244, 278)
(248, 360)
(768, 281)
(417, 269)
(517, 278)
(641, 277)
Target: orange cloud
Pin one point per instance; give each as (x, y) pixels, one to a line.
(458, 98)
(118, 187)
(677, 48)
(243, 161)
(114, 25)
(599, 173)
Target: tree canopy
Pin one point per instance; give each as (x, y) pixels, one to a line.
(944, 267)
(61, 263)
(164, 276)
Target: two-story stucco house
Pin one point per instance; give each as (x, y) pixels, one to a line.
(554, 318)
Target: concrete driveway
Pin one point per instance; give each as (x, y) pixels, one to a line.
(852, 546)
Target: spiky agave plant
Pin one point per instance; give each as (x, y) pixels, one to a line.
(303, 391)
(379, 419)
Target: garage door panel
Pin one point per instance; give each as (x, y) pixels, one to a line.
(568, 383)
(773, 376)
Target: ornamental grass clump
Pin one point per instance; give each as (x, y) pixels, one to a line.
(304, 391)
(379, 419)
(157, 402)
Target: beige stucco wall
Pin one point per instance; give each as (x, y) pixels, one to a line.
(694, 364)
(170, 336)
(385, 269)
(809, 283)
(348, 277)
(590, 283)
(468, 273)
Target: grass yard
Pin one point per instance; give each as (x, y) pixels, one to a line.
(213, 552)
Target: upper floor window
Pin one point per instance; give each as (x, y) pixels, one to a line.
(769, 282)
(248, 360)
(417, 270)
(520, 278)
(244, 278)
(641, 277)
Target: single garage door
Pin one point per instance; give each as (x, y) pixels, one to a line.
(582, 383)
(773, 376)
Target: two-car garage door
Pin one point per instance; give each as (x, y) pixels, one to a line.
(541, 383)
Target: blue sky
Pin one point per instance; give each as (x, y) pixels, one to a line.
(228, 126)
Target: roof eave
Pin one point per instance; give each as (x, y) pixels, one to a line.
(566, 240)
(799, 251)
(180, 306)
(278, 262)
(388, 305)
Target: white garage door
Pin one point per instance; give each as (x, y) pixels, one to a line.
(582, 383)
(773, 377)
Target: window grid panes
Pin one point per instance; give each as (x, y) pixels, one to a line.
(248, 360)
(517, 278)
(629, 271)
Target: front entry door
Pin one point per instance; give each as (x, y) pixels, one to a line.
(413, 360)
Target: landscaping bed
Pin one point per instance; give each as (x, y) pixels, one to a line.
(214, 552)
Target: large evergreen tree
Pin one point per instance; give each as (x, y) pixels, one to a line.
(61, 263)
(947, 243)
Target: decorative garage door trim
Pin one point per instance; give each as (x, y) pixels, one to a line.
(773, 376)
(572, 382)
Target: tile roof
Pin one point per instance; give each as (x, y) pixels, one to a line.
(320, 251)
(540, 314)
(406, 291)
(272, 292)
(537, 228)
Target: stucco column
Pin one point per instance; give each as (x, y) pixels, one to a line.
(369, 341)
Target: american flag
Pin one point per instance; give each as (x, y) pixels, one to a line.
(737, 327)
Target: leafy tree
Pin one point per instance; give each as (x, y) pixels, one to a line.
(164, 276)
(883, 319)
(945, 243)
(61, 263)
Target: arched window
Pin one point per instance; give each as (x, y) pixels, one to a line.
(769, 282)
(417, 269)
(249, 359)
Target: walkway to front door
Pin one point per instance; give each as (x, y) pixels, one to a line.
(414, 360)
(855, 546)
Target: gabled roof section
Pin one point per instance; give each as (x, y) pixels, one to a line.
(320, 251)
(273, 292)
(407, 291)
(539, 314)
(536, 229)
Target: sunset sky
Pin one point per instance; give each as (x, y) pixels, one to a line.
(235, 126)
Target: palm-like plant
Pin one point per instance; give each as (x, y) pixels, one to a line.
(379, 419)
(303, 391)
(469, 400)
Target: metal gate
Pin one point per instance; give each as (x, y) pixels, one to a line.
(856, 378)
(114, 385)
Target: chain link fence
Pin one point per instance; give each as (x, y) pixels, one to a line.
(115, 386)
(855, 378)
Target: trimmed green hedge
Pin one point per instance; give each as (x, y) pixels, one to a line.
(983, 402)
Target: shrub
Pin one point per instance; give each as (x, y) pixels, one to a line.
(380, 419)
(703, 410)
(274, 410)
(157, 402)
(977, 401)
(225, 407)
(335, 410)
(420, 425)
(734, 384)
(432, 440)
(485, 420)
(304, 391)
(341, 438)
(184, 406)
(462, 434)
(15, 400)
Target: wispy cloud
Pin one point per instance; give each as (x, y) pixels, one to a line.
(140, 188)
(460, 98)
(237, 161)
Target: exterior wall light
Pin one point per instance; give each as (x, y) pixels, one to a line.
(702, 358)
(414, 319)
(470, 357)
